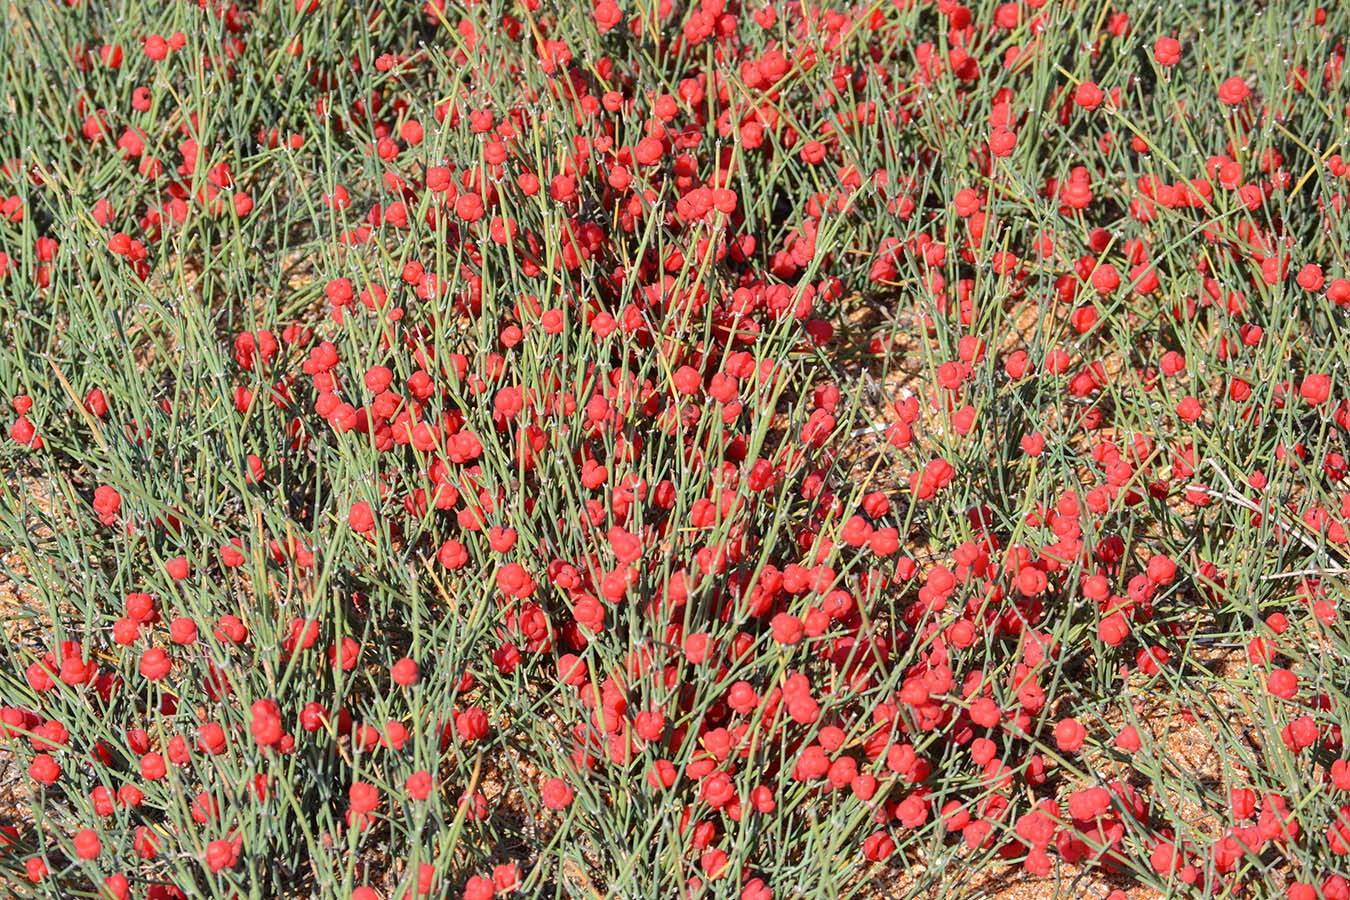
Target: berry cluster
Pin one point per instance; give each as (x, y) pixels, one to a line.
(680, 449)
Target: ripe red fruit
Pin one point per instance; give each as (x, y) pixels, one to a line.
(419, 785)
(471, 724)
(1088, 95)
(453, 555)
(1161, 570)
(266, 722)
(1069, 735)
(1128, 739)
(1315, 389)
(222, 854)
(1105, 279)
(107, 502)
(313, 716)
(360, 518)
(649, 725)
(118, 886)
(1310, 277)
(153, 767)
(1167, 51)
(1234, 91)
(363, 797)
(344, 654)
(404, 672)
(662, 774)
(1113, 629)
(44, 770)
(211, 738)
(1002, 141)
(556, 794)
(177, 568)
(87, 844)
(230, 629)
(145, 842)
(156, 47)
(878, 846)
(155, 664)
(183, 630)
(1282, 683)
(787, 629)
